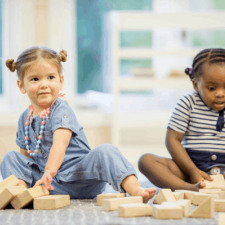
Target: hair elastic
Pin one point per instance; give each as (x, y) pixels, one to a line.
(188, 71)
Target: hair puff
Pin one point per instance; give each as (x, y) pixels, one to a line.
(11, 64)
(62, 56)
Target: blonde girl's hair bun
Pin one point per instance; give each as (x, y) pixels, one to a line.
(62, 56)
(11, 64)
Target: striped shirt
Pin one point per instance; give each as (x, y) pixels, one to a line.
(197, 121)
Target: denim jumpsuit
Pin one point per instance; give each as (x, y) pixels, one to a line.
(83, 173)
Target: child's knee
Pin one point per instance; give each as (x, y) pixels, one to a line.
(106, 149)
(9, 156)
(145, 160)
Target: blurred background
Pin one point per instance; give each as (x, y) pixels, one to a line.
(126, 61)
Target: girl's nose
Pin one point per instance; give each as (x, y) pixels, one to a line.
(220, 93)
(43, 84)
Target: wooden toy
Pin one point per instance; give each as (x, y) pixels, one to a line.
(51, 202)
(204, 210)
(164, 195)
(135, 209)
(167, 211)
(221, 219)
(9, 181)
(113, 203)
(219, 205)
(218, 182)
(217, 193)
(28, 195)
(7, 194)
(100, 197)
(178, 195)
(185, 204)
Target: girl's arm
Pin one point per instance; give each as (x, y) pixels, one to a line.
(181, 157)
(61, 139)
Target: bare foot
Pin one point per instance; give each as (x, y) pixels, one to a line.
(147, 193)
(197, 186)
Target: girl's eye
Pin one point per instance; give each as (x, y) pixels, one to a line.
(51, 77)
(34, 79)
(211, 88)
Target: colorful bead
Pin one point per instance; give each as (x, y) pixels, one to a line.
(43, 115)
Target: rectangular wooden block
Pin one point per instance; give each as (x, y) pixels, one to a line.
(135, 209)
(221, 219)
(185, 204)
(187, 194)
(218, 182)
(164, 195)
(113, 204)
(51, 202)
(167, 212)
(7, 194)
(217, 193)
(101, 197)
(28, 195)
(219, 205)
(198, 198)
(8, 182)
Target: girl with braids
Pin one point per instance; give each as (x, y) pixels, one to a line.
(54, 150)
(195, 135)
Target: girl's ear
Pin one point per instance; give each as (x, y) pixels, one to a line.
(21, 86)
(195, 85)
(61, 81)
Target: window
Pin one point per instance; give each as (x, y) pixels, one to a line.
(89, 39)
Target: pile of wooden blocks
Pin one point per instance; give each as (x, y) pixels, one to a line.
(19, 196)
(171, 205)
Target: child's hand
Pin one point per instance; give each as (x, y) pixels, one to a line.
(46, 179)
(200, 176)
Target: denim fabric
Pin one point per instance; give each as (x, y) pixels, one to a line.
(84, 177)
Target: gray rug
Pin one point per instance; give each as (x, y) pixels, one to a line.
(82, 212)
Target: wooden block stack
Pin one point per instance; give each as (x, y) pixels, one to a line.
(19, 196)
(171, 205)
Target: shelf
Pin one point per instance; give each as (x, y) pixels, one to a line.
(145, 84)
(143, 53)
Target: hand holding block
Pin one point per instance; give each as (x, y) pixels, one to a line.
(164, 195)
(51, 202)
(135, 209)
(167, 212)
(101, 197)
(7, 194)
(204, 210)
(218, 182)
(113, 203)
(28, 195)
(9, 181)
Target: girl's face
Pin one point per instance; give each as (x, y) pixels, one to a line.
(42, 83)
(211, 86)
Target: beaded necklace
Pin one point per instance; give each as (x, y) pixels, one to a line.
(43, 115)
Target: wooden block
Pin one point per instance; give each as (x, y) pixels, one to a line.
(167, 212)
(219, 205)
(178, 195)
(113, 203)
(221, 219)
(135, 209)
(217, 183)
(100, 197)
(185, 204)
(8, 182)
(164, 195)
(217, 193)
(204, 210)
(198, 198)
(28, 195)
(7, 194)
(51, 202)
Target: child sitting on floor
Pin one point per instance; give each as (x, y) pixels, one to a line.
(196, 134)
(54, 150)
